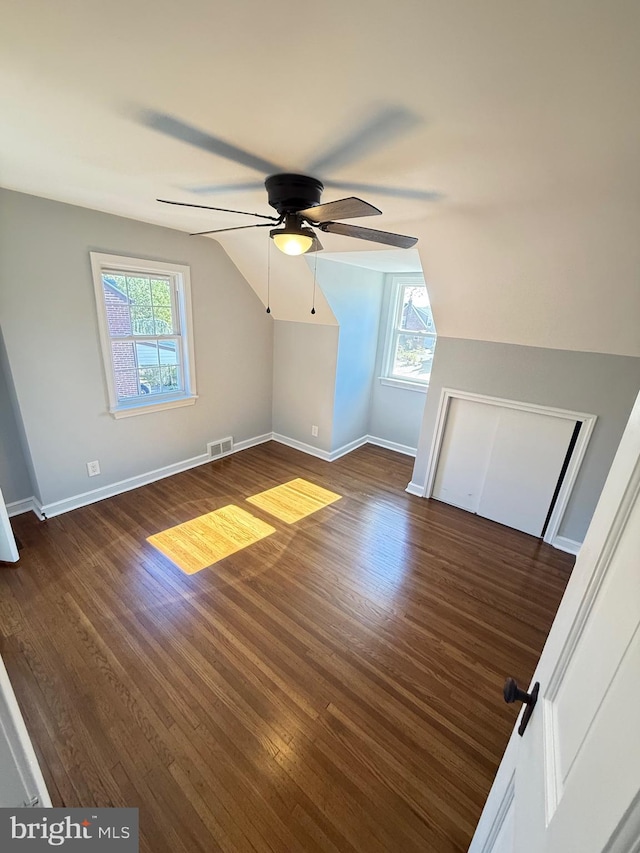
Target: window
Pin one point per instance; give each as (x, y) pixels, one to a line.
(411, 338)
(144, 314)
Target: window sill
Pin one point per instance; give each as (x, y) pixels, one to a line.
(146, 408)
(403, 383)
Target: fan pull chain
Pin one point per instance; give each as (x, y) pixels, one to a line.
(269, 276)
(315, 270)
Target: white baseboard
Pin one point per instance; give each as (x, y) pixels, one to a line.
(415, 489)
(348, 448)
(300, 445)
(95, 495)
(50, 510)
(252, 442)
(18, 507)
(31, 504)
(392, 445)
(327, 456)
(568, 545)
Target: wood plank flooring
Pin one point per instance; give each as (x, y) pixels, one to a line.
(336, 686)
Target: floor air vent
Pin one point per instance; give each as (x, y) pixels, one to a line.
(222, 447)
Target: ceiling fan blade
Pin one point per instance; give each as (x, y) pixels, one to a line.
(316, 246)
(375, 132)
(343, 208)
(399, 240)
(193, 136)
(236, 228)
(394, 192)
(226, 188)
(223, 209)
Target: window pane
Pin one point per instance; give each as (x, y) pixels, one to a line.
(147, 353)
(142, 320)
(139, 290)
(413, 357)
(123, 355)
(416, 314)
(168, 352)
(163, 320)
(140, 312)
(119, 281)
(117, 306)
(150, 380)
(126, 384)
(160, 292)
(170, 379)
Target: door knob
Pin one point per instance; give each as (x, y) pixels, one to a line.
(512, 693)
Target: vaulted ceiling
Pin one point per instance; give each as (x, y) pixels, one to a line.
(513, 126)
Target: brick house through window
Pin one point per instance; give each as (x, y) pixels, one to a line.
(119, 318)
(411, 336)
(415, 318)
(144, 317)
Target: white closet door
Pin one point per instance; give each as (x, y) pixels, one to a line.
(465, 453)
(501, 463)
(526, 459)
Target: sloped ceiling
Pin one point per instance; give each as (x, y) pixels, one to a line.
(522, 117)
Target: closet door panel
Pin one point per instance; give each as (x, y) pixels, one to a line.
(465, 453)
(523, 470)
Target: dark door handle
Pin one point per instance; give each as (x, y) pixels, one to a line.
(512, 693)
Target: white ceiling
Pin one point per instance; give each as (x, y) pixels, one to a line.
(524, 115)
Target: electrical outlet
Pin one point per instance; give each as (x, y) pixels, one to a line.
(93, 468)
(314, 431)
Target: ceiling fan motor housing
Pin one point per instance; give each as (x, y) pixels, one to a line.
(291, 193)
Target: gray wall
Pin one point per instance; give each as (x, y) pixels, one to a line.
(329, 376)
(49, 321)
(15, 480)
(603, 385)
(304, 378)
(355, 297)
(254, 374)
(396, 413)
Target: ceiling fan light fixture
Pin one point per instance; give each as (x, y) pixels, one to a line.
(297, 200)
(291, 240)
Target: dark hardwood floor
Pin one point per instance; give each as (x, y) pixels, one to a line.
(335, 687)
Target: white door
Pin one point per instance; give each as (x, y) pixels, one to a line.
(572, 781)
(21, 781)
(465, 453)
(8, 547)
(526, 460)
(502, 463)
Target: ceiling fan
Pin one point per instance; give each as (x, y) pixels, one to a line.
(296, 198)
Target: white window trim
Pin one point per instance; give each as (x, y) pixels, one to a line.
(397, 283)
(180, 275)
(394, 382)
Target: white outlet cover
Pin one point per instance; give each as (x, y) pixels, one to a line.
(93, 468)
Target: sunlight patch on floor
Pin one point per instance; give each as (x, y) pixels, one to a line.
(199, 543)
(295, 500)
